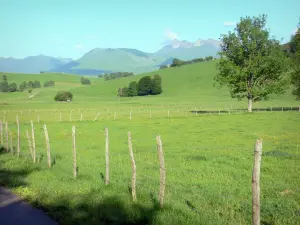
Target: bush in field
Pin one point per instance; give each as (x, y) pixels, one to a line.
(49, 83)
(85, 81)
(146, 86)
(63, 96)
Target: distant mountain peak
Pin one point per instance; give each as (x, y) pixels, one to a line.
(175, 43)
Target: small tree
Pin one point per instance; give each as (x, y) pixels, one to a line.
(29, 91)
(30, 84)
(252, 65)
(177, 62)
(49, 83)
(36, 84)
(22, 86)
(63, 96)
(295, 52)
(133, 89)
(85, 81)
(163, 67)
(209, 58)
(12, 87)
(156, 85)
(4, 84)
(144, 86)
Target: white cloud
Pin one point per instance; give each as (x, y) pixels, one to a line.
(78, 46)
(92, 37)
(171, 35)
(229, 23)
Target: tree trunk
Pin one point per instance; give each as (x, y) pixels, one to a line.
(249, 104)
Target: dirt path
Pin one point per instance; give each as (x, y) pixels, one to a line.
(15, 211)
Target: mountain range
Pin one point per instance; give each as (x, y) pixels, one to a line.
(106, 60)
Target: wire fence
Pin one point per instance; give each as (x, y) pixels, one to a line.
(123, 114)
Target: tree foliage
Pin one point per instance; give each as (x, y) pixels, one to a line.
(36, 84)
(85, 81)
(12, 87)
(133, 89)
(156, 85)
(252, 64)
(295, 54)
(112, 76)
(49, 83)
(146, 86)
(6, 87)
(63, 96)
(178, 62)
(22, 86)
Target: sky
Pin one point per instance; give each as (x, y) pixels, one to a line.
(71, 28)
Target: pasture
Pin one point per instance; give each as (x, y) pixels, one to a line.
(208, 157)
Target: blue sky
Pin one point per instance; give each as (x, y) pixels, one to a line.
(70, 28)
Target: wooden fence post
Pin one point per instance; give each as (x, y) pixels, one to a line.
(33, 142)
(38, 119)
(162, 171)
(18, 136)
(60, 117)
(47, 146)
(71, 115)
(133, 166)
(29, 143)
(98, 114)
(6, 135)
(115, 116)
(256, 184)
(106, 157)
(130, 115)
(74, 152)
(81, 117)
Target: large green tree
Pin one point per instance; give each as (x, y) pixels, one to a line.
(252, 64)
(4, 84)
(144, 86)
(295, 54)
(156, 85)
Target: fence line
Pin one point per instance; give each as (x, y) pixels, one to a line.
(148, 113)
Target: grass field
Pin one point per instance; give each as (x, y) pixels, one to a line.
(208, 158)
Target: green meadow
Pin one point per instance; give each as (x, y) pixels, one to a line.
(208, 157)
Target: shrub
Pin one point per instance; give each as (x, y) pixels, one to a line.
(36, 84)
(22, 86)
(63, 96)
(12, 87)
(85, 81)
(144, 86)
(133, 89)
(49, 83)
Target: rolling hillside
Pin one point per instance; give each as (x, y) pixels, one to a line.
(189, 84)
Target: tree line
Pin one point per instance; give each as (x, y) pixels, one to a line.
(6, 87)
(145, 86)
(253, 65)
(178, 62)
(112, 76)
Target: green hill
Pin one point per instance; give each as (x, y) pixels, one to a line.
(190, 84)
